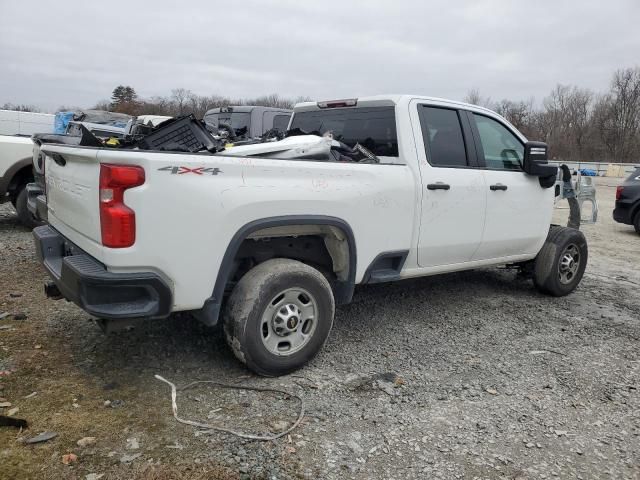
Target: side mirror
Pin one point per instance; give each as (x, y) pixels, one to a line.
(535, 163)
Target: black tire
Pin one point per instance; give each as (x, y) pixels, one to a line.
(636, 222)
(24, 215)
(561, 262)
(255, 294)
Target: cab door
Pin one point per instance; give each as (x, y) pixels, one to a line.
(453, 188)
(519, 210)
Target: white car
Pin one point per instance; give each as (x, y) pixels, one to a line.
(272, 245)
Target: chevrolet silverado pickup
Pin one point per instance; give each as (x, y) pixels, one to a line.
(269, 246)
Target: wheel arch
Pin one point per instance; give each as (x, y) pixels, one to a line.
(635, 210)
(22, 169)
(344, 285)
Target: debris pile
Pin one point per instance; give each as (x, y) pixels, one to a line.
(190, 135)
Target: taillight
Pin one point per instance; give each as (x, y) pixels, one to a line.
(117, 221)
(619, 190)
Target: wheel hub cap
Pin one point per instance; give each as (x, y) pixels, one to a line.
(569, 264)
(286, 319)
(289, 321)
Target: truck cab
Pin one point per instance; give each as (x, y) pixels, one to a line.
(474, 200)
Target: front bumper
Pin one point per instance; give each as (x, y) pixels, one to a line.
(83, 280)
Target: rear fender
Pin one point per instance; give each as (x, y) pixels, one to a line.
(210, 312)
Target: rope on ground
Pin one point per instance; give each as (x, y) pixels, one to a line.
(207, 426)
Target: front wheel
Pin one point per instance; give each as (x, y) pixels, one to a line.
(561, 262)
(279, 316)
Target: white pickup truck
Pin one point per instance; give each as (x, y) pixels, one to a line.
(272, 245)
(16, 151)
(16, 155)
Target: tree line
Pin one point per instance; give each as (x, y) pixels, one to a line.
(124, 99)
(577, 123)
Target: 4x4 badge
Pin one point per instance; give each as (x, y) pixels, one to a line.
(197, 170)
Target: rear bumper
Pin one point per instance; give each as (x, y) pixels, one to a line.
(83, 280)
(622, 213)
(36, 201)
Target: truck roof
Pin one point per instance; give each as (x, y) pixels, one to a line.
(390, 100)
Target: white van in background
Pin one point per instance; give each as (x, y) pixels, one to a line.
(25, 123)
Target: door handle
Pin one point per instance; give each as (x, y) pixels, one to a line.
(438, 186)
(498, 186)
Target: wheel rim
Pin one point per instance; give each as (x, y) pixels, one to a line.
(289, 321)
(569, 264)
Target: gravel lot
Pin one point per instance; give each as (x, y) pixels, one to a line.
(470, 375)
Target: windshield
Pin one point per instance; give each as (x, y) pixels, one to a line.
(372, 127)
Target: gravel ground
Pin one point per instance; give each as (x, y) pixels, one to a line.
(470, 375)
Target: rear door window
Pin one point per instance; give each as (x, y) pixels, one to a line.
(443, 138)
(372, 127)
(502, 149)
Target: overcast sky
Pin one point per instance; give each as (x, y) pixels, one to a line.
(74, 53)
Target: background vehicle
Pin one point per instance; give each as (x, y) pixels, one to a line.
(16, 154)
(24, 123)
(276, 244)
(249, 121)
(627, 209)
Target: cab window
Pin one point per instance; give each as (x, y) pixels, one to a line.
(443, 138)
(372, 127)
(502, 149)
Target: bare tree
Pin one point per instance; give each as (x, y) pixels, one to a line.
(101, 105)
(568, 112)
(474, 97)
(519, 113)
(20, 107)
(180, 96)
(620, 115)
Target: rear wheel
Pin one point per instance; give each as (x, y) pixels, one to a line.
(561, 262)
(279, 316)
(24, 215)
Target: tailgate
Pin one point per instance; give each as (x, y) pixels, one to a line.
(72, 178)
